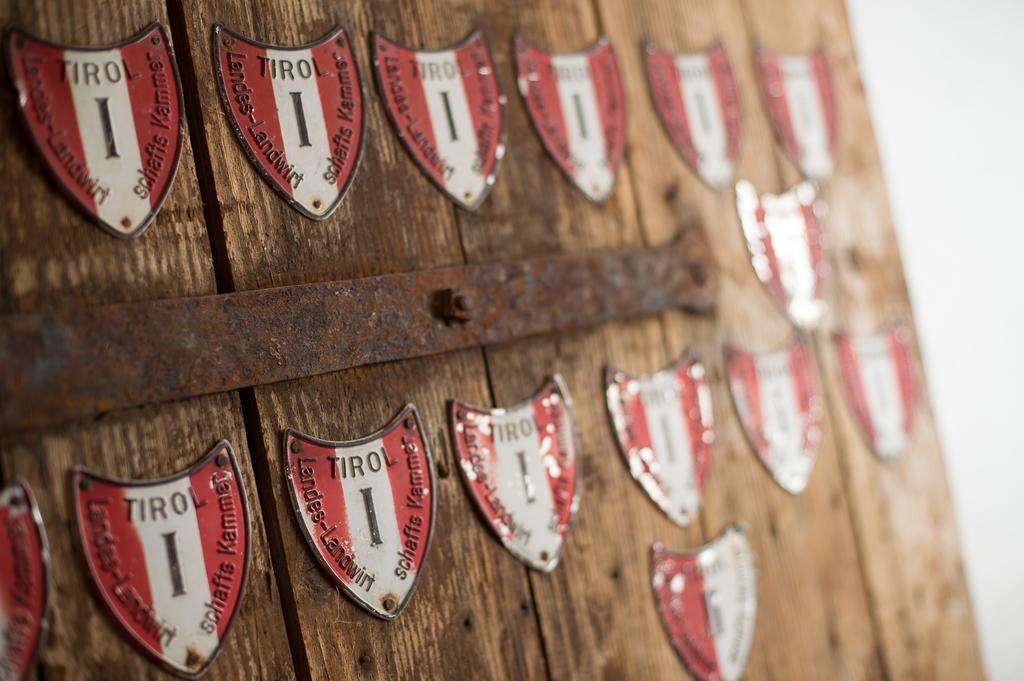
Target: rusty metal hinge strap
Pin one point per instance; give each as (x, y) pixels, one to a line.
(56, 367)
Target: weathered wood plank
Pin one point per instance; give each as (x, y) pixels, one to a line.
(596, 609)
(902, 511)
(813, 619)
(471, 615)
(52, 256)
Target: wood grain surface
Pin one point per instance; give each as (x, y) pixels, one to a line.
(53, 256)
(860, 576)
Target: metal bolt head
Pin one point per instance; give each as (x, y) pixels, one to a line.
(295, 446)
(126, 221)
(85, 484)
(222, 460)
(410, 422)
(155, 40)
(390, 604)
(456, 305)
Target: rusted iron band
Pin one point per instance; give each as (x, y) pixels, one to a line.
(55, 367)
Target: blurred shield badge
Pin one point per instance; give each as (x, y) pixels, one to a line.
(24, 581)
(107, 122)
(521, 467)
(778, 398)
(797, 90)
(664, 426)
(298, 112)
(367, 509)
(878, 375)
(448, 108)
(707, 599)
(697, 100)
(169, 557)
(578, 107)
(786, 243)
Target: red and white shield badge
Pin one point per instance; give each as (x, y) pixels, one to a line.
(699, 105)
(578, 106)
(521, 466)
(367, 508)
(664, 425)
(107, 120)
(707, 599)
(778, 399)
(787, 248)
(298, 112)
(448, 109)
(24, 581)
(878, 375)
(797, 90)
(169, 557)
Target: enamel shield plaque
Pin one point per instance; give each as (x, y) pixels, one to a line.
(878, 376)
(787, 248)
(699, 105)
(663, 423)
(367, 508)
(707, 599)
(169, 557)
(107, 121)
(24, 581)
(797, 90)
(298, 112)
(778, 399)
(578, 106)
(448, 109)
(521, 466)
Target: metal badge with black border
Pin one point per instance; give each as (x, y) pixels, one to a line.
(699, 105)
(298, 113)
(665, 429)
(578, 107)
(787, 246)
(24, 581)
(521, 467)
(797, 90)
(778, 398)
(367, 509)
(448, 108)
(878, 375)
(169, 557)
(107, 121)
(707, 599)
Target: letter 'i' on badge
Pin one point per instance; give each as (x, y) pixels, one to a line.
(24, 581)
(778, 398)
(797, 90)
(786, 242)
(298, 112)
(107, 121)
(664, 426)
(878, 376)
(707, 600)
(578, 107)
(699, 105)
(448, 108)
(169, 557)
(521, 466)
(367, 509)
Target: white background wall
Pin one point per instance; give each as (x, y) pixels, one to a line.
(945, 81)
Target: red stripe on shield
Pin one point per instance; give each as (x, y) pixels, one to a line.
(743, 369)
(899, 350)
(539, 85)
(849, 363)
(665, 81)
(557, 449)
(679, 586)
(218, 490)
(482, 98)
(611, 103)
(773, 85)
(823, 79)
(342, 106)
(690, 388)
(728, 97)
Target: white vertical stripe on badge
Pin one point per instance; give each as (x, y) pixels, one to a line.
(705, 116)
(784, 219)
(522, 480)
(111, 151)
(587, 147)
(728, 570)
(452, 122)
(784, 427)
(366, 492)
(183, 611)
(882, 392)
(306, 150)
(670, 438)
(803, 99)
